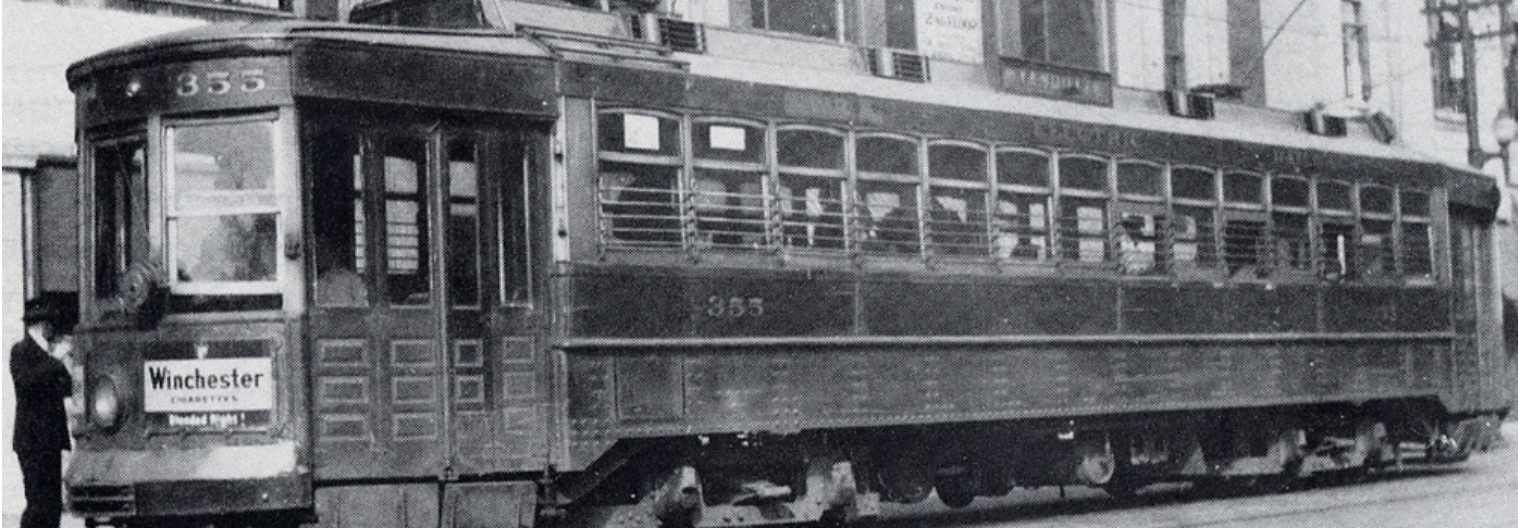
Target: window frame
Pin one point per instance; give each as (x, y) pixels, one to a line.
(759, 168)
(1046, 195)
(1402, 246)
(675, 161)
(1282, 267)
(1152, 206)
(1199, 267)
(842, 176)
(982, 186)
(864, 238)
(1324, 216)
(1063, 193)
(1011, 12)
(276, 207)
(839, 25)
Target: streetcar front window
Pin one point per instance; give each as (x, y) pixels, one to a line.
(121, 211)
(222, 212)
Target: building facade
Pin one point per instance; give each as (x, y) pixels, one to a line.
(1363, 74)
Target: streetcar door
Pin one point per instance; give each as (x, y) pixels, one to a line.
(407, 336)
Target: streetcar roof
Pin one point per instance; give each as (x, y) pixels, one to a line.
(274, 37)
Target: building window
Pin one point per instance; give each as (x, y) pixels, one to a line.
(814, 18)
(1067, 32)
(1446, 59)
(1354, 52)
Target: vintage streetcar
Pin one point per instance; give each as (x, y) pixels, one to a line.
(496, 274)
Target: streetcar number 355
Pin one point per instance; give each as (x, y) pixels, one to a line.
(191, 84)
(719, 307)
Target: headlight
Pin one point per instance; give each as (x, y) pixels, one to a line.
(105, 403)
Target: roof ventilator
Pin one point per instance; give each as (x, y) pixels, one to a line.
(1320, 123)
(679, 35)
(898, 64)
(1189, 104)
(1382, 127)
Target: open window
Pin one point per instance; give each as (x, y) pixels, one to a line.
(1021, 220)
(1292, 249)
(887, 187)
(957, 209)
(639, 162)
(1247, 230)
(338, 227)
(1082, 215)
(1336, 230)
(1141, 218)
(811, 181)
(728, 195)
(1192, 227)
(119, 169)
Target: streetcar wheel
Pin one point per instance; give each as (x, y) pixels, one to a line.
(956, 491)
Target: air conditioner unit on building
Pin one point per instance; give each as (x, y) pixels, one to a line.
(1320, 123)
(679, 35)
(1183, 103)
(898, 64)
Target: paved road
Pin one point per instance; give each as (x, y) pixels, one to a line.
(1479, 493)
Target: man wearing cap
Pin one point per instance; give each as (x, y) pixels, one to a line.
(41, 432)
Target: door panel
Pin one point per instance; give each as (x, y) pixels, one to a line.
(422, 355)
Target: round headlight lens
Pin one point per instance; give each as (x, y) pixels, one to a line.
(105, 403)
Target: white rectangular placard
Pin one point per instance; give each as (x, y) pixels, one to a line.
(641, 132)
(208, 385)
(950, 29)
(726, 138)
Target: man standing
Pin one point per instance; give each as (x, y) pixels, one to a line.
(41, 432)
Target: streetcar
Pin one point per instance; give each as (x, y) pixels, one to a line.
(519, 271)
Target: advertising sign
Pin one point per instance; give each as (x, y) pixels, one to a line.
(950, 29)
(209, 392)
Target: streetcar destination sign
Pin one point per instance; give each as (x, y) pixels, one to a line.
(208, 386)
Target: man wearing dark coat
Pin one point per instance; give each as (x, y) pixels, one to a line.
(41, 431)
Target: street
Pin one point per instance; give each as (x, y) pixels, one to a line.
(1480, 492)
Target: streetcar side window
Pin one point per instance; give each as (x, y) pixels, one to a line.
(810, 188)
(337, 210)
(1192, 230)
(1293, 246)
(406, 257)
(222, 210)
(888, 193)
(1021, 222)
(638, 182)
(1247, 228)
(1376, 242)
(1137, 239)
(1337, 229)
(957, 208)
(728, 185)
(121, 210)
(1082, 219)
(1415, 257)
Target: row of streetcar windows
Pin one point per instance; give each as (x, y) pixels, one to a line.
(746, 186)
